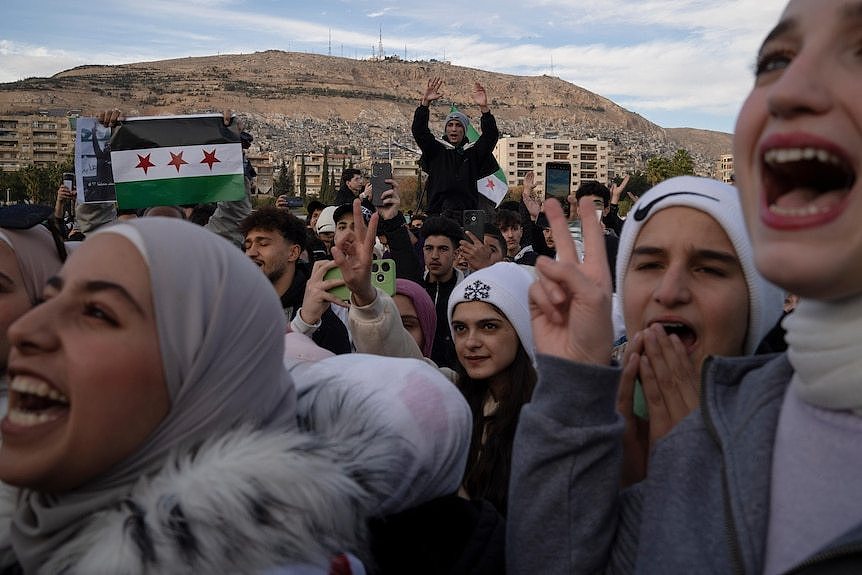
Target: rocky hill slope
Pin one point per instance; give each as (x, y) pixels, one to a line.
(297, 102)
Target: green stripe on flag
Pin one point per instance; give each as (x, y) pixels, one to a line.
(172, 192)
(472, 136)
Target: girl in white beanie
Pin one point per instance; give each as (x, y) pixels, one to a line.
(489, 317)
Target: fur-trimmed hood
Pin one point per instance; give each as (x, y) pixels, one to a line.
(240, 503)
(249, 500)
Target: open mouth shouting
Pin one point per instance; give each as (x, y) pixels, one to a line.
(685, 332)
(32, 402)
(807, 181)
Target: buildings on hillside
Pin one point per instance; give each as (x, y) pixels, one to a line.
(589, 159)
(404, 165)
(35, 139)
(724, 169)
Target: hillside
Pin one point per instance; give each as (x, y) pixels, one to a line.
(297, 101)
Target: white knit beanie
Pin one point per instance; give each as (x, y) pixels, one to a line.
(505, 285)
(326, 221)
(721, 202)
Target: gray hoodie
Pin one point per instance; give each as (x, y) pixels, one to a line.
(704, 505)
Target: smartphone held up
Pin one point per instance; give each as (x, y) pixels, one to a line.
(380, 172)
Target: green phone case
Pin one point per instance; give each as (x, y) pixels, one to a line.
(382, 276)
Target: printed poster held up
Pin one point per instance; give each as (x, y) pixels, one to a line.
(172, 160)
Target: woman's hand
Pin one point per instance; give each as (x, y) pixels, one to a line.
(570, 301)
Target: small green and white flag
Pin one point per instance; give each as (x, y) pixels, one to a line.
(493, 185)
(171, 160)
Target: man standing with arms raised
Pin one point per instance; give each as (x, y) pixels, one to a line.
(453, 163)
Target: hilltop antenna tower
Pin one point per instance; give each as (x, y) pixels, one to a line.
(380, 45)
(330, 41)
(552, 65)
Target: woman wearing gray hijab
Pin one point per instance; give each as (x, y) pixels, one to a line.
(28, 257)
(152, 425)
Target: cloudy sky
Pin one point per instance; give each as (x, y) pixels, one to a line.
(676, 62)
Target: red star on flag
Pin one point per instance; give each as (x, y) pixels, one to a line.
(177, 161)
(210, 158)
(144, 163)
(489, 184)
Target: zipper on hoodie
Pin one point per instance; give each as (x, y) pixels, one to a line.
(729, 525)
(828, 555)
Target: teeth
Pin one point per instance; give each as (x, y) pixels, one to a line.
(29, 419)
(787, 155)
(808, 210)
(23, 384)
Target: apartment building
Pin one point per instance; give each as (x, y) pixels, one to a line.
(724, 168)
(402, 167)
(263, 165)
(35, 139)
(590, 159)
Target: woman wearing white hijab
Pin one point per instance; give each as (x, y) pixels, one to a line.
(152, 425)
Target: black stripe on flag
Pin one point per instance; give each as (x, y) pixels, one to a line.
(173, 131)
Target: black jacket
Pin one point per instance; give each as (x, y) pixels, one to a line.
(344, 195)
(443, 351)
(454, 170)
(332, 333)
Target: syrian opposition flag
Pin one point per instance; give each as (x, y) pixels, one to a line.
(171, 160)
(493, 185)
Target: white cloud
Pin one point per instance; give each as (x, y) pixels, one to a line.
(19, 61)
(647, 55)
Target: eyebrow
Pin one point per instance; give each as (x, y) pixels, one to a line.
(780, 29)
(706, 254)
(96, 286)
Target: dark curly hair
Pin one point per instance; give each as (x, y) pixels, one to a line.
(443, 226)
(275, 219)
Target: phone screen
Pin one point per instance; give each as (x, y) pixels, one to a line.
(558, 180)
(69, 180)
(380, 172)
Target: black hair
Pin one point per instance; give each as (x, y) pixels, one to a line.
(510, 205)
(348, 174)
(508, 219)
(494, 231)
(271, 219)
(312, 207)
(443, 226)
(489, 462)
(594, 188)
(542, 221)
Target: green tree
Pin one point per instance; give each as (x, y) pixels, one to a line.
(324, 176)
(638, 184)
(658, 169)
(303, 185)
(283, 182)
(35, 183)
(682, 163)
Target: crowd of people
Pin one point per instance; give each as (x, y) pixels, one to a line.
(368, 391)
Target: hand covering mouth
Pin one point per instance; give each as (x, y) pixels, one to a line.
(686, 334)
